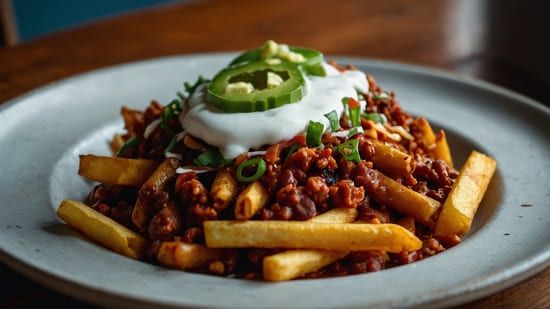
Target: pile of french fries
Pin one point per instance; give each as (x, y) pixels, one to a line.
(306, 246)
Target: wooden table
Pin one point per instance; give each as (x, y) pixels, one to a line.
(503, 42)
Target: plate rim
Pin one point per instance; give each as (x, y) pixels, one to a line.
(42, 277)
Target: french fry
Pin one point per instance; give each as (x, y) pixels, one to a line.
(102, 229)
(436, 144)
(116, 143)
(427, 136)
(441, 148)
(141, 213)
(191, 143)
(132, 120)
(408, 223)
(181, 255)
(224, 189)
(116, 171)
(253, 198)
(399, 197)
(309, 235)
(391, 160)
(463, 201)
(336, 215)
(291, 264)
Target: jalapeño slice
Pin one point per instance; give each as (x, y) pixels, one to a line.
(256, 86)
(247, 56)
(312, 65)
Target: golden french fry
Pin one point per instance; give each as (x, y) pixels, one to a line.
(181, 255)
(441, 148)
(309, 235)
(468, 190)
(385, 190)
(391, 160)
(116, 171)
(132, 120)
(102, 229)
(141, 213)
(436, 144)
(116, 143)
(336, 215)
(191, 143)
(426, 136)
(296, 263)
(408, 223)
(224, 189)
(250, 200)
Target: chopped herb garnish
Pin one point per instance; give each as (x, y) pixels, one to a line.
(355, 116)
(354, 131)
(292, 150)
(170, 110)
(211, 158)
(350, 150)
(351, 102)
(260, 169)
(172, 144)
(191, 88)
(380, 96)
(130, 143)
(377, 117)
(314, 133)
(360, 96)
(354, 110)
(333, 120)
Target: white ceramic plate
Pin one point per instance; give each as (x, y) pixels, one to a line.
(42, 133)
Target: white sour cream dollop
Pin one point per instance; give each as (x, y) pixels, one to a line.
(235, 133)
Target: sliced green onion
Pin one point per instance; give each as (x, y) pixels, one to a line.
(172, 144)
(171, 110)
(354, 131)
(380, 96)
(260, 169)
(130, 143)
(345, 101)
(314, 133)
(377, 117)
(350, 102)
(354, 110)
(333, 120)
(292, 150)
(355, 116)
(360, 96)
(211, 158)
(350, 150)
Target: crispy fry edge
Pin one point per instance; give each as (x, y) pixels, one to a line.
(114, 170)
(311, 235)
(459, 209)
(102, 229)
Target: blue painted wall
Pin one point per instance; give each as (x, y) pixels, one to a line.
(35, 18)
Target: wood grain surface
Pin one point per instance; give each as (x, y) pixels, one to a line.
(501, 41)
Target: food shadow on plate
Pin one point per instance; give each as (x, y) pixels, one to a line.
(62, 229)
